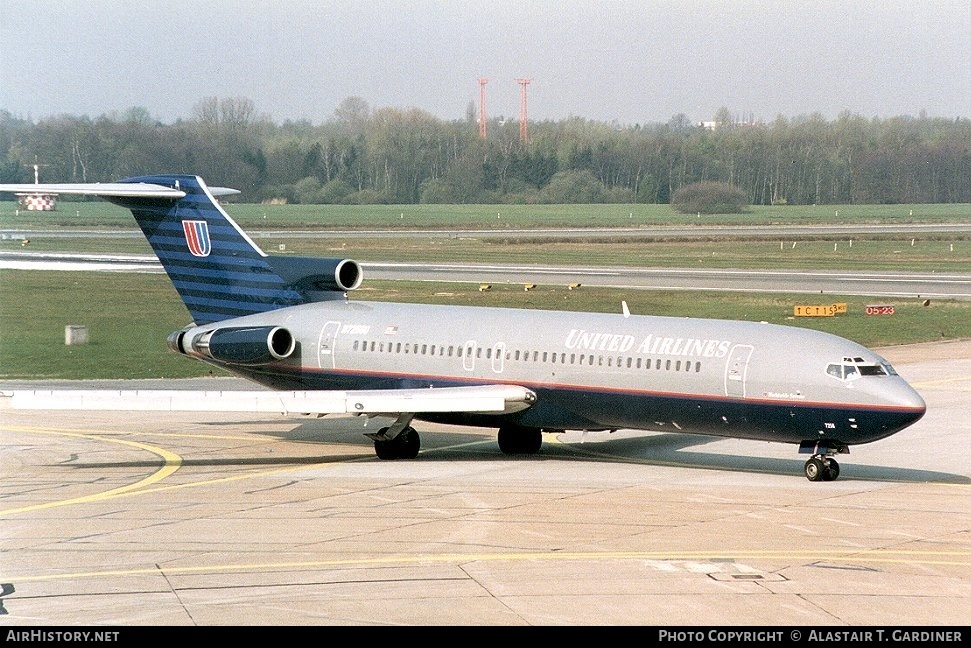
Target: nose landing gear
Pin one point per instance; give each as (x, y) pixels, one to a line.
(822, 468)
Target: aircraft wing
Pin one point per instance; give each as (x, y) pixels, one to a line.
(485, 398)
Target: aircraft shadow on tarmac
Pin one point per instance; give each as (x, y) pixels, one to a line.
(673, 450)
(658, 449)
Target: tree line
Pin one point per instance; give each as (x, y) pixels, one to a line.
(406, 156)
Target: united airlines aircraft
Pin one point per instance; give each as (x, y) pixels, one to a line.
(287, 323)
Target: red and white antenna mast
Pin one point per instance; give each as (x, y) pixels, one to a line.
(523, 124)
(482, 107)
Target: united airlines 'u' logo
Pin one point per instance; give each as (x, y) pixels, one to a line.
(197, 237)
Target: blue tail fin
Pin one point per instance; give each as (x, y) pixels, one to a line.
(216, 268)
(218, 271)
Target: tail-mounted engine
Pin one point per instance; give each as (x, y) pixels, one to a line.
(318, 279)
(254, 345)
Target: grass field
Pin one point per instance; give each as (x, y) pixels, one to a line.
(921, 252)
(887, 255)
(129, 317)
(920, 256)
(96, 213)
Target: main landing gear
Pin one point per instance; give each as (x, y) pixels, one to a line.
(520, 440)
(404, 446)
(399, 441)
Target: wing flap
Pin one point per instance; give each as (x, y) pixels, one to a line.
(485, 398)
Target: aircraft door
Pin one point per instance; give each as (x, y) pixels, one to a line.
(736, 370)
(326, 345)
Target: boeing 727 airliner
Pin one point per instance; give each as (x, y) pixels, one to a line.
(287, 323)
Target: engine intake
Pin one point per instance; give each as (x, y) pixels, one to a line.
(244, 345)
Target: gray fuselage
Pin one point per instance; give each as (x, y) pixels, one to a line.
(595, 371)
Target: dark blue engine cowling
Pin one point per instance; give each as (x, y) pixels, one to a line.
(247, 345)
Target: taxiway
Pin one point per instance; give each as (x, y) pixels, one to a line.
(189, 519)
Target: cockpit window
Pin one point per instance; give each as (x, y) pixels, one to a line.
(872, 370)
(852, 368)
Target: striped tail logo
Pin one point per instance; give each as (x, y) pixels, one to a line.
(197, 237)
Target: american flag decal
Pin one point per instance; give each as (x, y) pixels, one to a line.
(197, 237)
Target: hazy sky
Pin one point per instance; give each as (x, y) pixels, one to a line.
(629, 61)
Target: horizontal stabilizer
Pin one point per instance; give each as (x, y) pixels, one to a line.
(486, 398)
(121, 189)
(110, 189)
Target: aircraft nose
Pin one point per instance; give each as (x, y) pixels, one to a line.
(910, 402)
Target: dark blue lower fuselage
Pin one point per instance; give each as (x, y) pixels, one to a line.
(566, 407)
